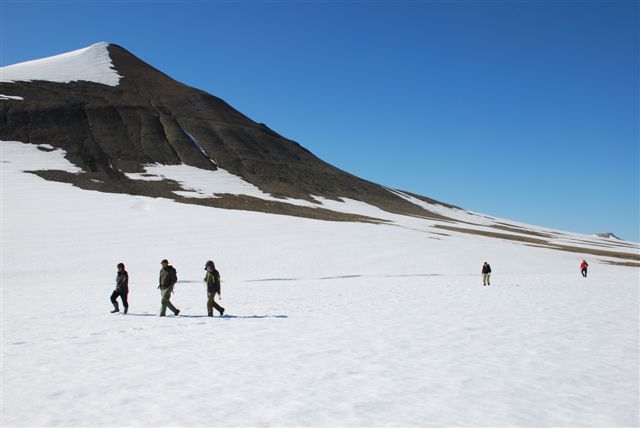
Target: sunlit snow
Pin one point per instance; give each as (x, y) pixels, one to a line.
(92, 64)
(327, 323)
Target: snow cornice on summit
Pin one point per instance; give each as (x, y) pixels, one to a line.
(90, 64)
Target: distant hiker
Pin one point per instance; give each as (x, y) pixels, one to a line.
(212, 279)
(486, 274)
(168, 278)
(583, 268)
(122, 289)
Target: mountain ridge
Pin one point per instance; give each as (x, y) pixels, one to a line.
(117, 133)
(148, 118)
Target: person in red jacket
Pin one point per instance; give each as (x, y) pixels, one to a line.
(583, 268)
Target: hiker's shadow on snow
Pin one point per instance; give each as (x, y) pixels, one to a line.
(206, 316)
(236, 316)
(140, 315)
(325, 278)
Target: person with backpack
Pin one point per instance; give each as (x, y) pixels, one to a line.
(212, 279)
(486, 274)
(168, 278)
(583, 268)
(122, 289)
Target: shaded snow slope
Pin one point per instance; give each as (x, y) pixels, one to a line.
(327, 324)
(91, 64)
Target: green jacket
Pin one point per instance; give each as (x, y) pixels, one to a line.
(213, 282)
(168, 277)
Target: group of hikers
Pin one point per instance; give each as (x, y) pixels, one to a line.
(168, 279)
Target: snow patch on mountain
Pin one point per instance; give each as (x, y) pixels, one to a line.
(91, 64)
(11, 97)
(201, 183)
(29, 157)
(197, 144)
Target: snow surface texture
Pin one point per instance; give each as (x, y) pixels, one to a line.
(327, 324)
(92, 64)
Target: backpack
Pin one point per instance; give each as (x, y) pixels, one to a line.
(174, 275)
(215, 287)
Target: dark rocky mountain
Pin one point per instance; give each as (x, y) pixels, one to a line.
(150, 118)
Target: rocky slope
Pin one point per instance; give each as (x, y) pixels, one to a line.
(147, 117)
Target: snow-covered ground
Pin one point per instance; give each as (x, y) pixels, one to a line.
(92, 64)
(327, 324)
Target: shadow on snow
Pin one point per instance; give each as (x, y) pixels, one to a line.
(205, 316)
(344, 277)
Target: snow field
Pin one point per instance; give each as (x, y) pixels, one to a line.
(328, 324)
(427, 351)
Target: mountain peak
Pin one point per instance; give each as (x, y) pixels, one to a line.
(607, 235)
(114, 114)
(92, 64)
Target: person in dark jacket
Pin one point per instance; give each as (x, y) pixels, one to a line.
(486, 274)
(168, 278)
(122, 289)
(583, 268)
(213, 287)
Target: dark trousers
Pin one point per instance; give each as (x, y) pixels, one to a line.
(584, 272)
(115, 295)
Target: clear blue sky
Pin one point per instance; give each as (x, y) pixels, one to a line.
(526, 110)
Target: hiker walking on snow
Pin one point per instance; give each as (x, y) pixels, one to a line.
(122, 289)
(486, 274)
(583, 268)
(168, 278)
(213, 287)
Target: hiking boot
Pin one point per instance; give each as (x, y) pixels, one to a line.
(177, 312)
(222, 312)
(126, 309)
(115, 310)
